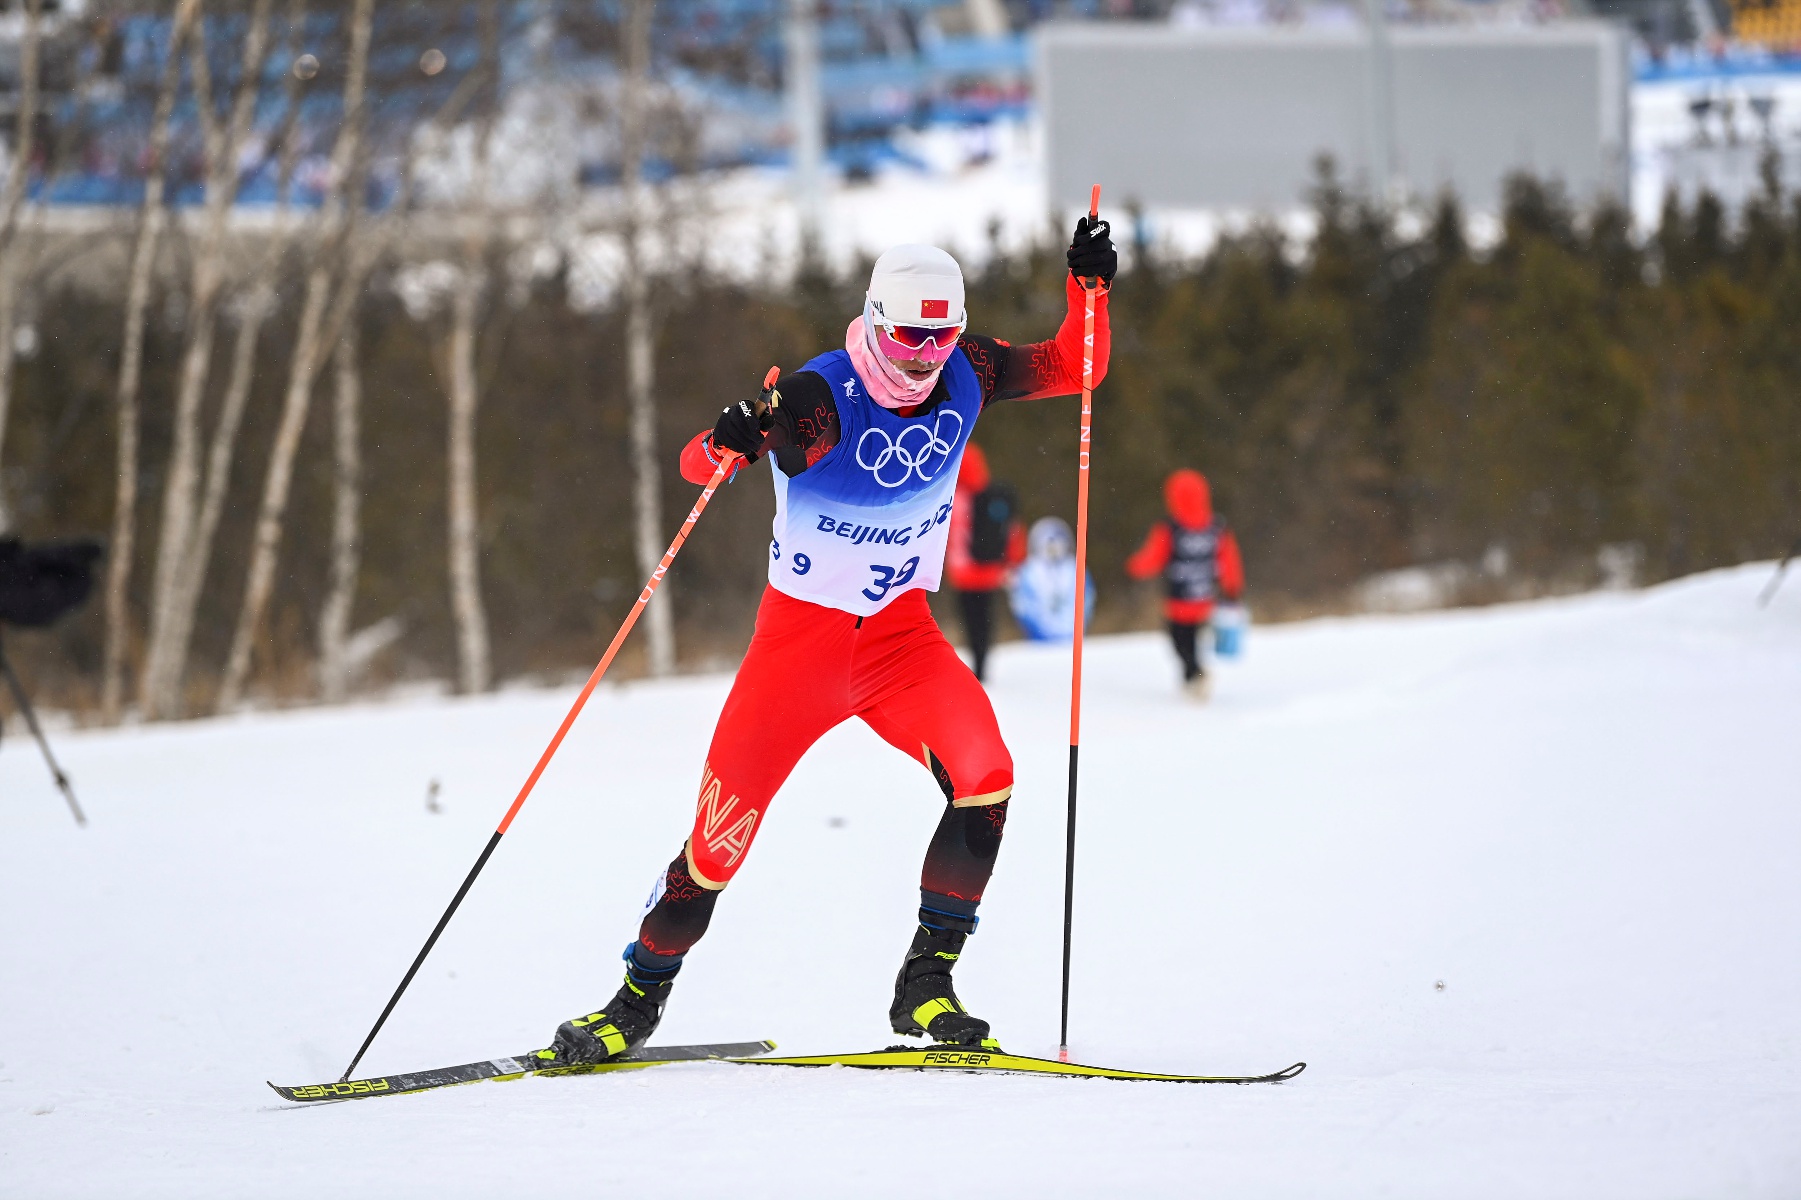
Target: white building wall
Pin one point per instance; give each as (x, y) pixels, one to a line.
(1236, 118)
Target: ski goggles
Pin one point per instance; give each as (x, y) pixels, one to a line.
(928, 343)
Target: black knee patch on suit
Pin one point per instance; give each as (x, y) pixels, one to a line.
(679, 912)
(961, 856)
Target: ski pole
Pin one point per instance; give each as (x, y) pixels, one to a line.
(1089, 287)
(606, 660)
(31, 723)
(1769, 591)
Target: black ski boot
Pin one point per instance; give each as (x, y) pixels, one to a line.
(924, 1000)
(626, 1022)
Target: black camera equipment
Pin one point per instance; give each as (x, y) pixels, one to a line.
(39, 584)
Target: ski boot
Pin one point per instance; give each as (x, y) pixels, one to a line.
(626, 1022)
(924, 1000)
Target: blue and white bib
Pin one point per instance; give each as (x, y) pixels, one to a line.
(871, 519)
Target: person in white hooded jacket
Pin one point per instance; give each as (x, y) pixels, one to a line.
(1043, 592)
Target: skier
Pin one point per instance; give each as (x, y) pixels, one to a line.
(866, 443)
(1043, 595)
(986, 543)
(1198, 558)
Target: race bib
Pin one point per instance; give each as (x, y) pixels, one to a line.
(871, 519)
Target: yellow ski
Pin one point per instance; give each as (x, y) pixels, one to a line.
(972, 1059)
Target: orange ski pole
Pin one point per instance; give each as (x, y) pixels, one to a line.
(531, 781)
(1089, 287)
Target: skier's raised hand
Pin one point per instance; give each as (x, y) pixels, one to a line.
(1091, 254)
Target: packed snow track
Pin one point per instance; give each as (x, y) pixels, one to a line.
(1519, 884)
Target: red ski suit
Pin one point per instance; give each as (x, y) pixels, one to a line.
(808, 669)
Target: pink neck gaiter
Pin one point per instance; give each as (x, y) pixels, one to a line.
(887, 384)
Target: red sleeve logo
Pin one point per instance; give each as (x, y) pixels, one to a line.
(934, 310)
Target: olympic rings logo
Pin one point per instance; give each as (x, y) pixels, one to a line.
(914, 449)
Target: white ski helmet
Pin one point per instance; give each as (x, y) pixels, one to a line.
(916, 285)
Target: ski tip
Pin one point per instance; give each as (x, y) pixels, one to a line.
(1285, 1075)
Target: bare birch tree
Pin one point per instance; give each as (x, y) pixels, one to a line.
(176, 591)
(131, 366)
(346, 523)
(303, 367)
(473, 667)
(640, 378)
(341, 652)
(18, 176)
(251, 309)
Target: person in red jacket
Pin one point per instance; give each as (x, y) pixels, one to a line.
(1198, 557)
(986, 542)
(865, 443)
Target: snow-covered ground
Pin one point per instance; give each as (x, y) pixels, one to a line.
(1581, 815)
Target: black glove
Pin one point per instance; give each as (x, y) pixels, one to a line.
(741, 428)
(1091, 251)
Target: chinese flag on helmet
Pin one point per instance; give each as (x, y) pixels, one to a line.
(934, 310)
